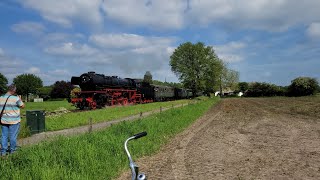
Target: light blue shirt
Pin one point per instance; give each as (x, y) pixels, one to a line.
(11, 113)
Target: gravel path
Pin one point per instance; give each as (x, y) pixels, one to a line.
(240, 139)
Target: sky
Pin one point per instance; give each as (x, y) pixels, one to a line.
(271, 41)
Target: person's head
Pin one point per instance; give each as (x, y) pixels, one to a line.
(12, 89)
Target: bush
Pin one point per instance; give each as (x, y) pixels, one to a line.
(61, 89)
(258, 89)
(303, 86)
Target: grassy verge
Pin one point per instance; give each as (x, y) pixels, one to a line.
(70, 120)
(99, 155)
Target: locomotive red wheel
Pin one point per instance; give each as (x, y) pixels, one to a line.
(125, 102)
(93, 105)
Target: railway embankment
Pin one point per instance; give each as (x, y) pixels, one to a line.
(90, 127)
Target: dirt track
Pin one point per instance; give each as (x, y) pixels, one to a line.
(241, 139)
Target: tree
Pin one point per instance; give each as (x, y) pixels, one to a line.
(303, 86)
(3, 83)
(44, 92)
(147, 77)
(196, 66)
(61, 89)
(171, 84)
(243, 86)
(27, 83)
(230, 79)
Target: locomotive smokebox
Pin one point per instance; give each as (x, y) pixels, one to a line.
(75, 80)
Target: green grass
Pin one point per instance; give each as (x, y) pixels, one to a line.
(70, 120)
(99, 155)
(48, 106)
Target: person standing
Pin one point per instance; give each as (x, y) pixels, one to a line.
(10, 104)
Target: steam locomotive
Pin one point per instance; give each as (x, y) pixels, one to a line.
(98, 90)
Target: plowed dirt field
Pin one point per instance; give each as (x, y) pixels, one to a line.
(247, 138)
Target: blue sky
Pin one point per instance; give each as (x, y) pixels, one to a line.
(271, 41)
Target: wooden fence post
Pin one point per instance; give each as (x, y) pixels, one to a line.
(90, 125)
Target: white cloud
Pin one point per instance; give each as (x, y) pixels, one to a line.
(70, 49)
(165, 14)
(64, 12)
(128, 54)
(62, 37)
(132, 52)
(33, 70)
(128, 40)
(10, 66)
(8, 62)
(270, 15)
(1, 52)
(33, 28)
(59, 71)
(230, 52)
(313, 30)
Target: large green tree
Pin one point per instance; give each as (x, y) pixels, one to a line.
(303, 86)
(147, 77)
(196, 65)
(27, 83)
(3, 83)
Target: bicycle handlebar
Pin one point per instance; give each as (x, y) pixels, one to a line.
(139, 135)
(133, 166)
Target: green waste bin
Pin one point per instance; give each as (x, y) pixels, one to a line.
(36, 121)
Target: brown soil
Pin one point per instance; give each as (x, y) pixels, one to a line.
(242, 139)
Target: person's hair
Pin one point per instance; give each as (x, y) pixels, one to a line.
(12, 88)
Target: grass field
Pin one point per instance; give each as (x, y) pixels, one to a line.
(48, 106)
(100, 155)
(69, 120)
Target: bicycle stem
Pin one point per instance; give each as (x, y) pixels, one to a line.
(133, 166)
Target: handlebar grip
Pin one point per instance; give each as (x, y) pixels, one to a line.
(139, 135)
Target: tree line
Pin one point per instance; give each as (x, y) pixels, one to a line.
(30, 84)
(301, 86)
(199, 68)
